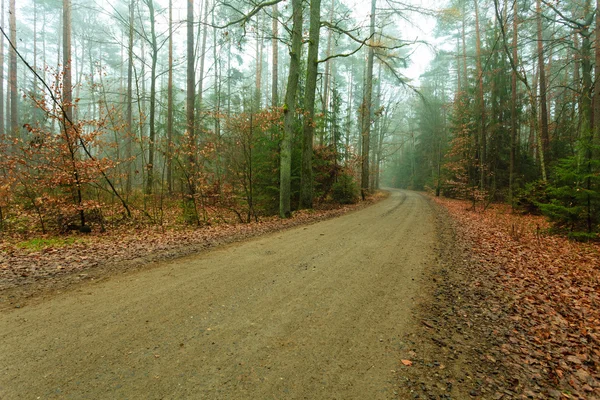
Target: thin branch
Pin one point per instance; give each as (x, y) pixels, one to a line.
(245, 16)
(66, 119)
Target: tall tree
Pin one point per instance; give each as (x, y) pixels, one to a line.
(129, 108)
(202, 56)
(275, 45)
(327, 76)
(67, 94)
(191, 85)
(542, 81)
(289, 112)
(306, 177)
(12, 79)
(259, 65)
(367, 105)
(597, 74)
(481, 132)
(170, 104)
(152, 114)
(2, 121)
(513, 103)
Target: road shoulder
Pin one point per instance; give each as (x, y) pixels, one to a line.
(450, 355)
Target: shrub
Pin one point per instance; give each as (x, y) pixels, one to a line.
(345, 190)
(531, 196)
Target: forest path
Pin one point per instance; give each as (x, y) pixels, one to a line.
(315, 312)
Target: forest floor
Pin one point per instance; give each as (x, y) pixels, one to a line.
(32, 269)
(408, 298)
(520, 306)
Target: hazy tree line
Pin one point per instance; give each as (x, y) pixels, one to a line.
(511, 111)
(163, 111)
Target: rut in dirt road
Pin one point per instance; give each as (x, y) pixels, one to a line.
(314, 312)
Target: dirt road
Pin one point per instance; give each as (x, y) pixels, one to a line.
(316, 312)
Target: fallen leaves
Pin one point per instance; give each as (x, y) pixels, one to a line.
(554, 290)
(407, 363)
(56, 260)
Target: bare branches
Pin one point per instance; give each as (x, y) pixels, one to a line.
(363, 42)
(343, 55)
(582, 25)
(245, 16)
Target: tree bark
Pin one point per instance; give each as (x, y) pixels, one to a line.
(366, 106)
(14, 118)
(129, 110)
(170, 104)
(597, 75)
(289, 112)
(259, 65)
(202, 57)
(481, 133)
(542, 82)
(513, 105)
(67, 94)
(586, 77)
(326, 80)
(152, 113)
(275, 73)
(312, 67)
(464, 50)
(2, 120)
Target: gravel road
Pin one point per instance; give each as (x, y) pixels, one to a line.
(315, 312)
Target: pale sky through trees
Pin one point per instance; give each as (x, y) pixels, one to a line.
(413, 26)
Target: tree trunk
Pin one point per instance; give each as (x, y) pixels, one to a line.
(513, 105)
(458, 73)
(67, 94)
(481, 133)
(366, 106)
(289, 112)
(170, 105)
(67, 104)
(596, 123)
(35, 34)
(129, 110)
(312, 67)
(202, 57)
(275, 45)
(2, 120)
(191, 213)
(259, 64)
(348, 121)
(152, 113)
(586, 77)
(14, 119)
(376, 128)
(542, 82)
(464, 50)
(217, 106)
(190, 90)
(326, 80)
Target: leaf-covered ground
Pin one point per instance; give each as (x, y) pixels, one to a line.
(524, 306)
(43, 264)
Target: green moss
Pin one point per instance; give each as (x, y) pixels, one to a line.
(38, 244)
